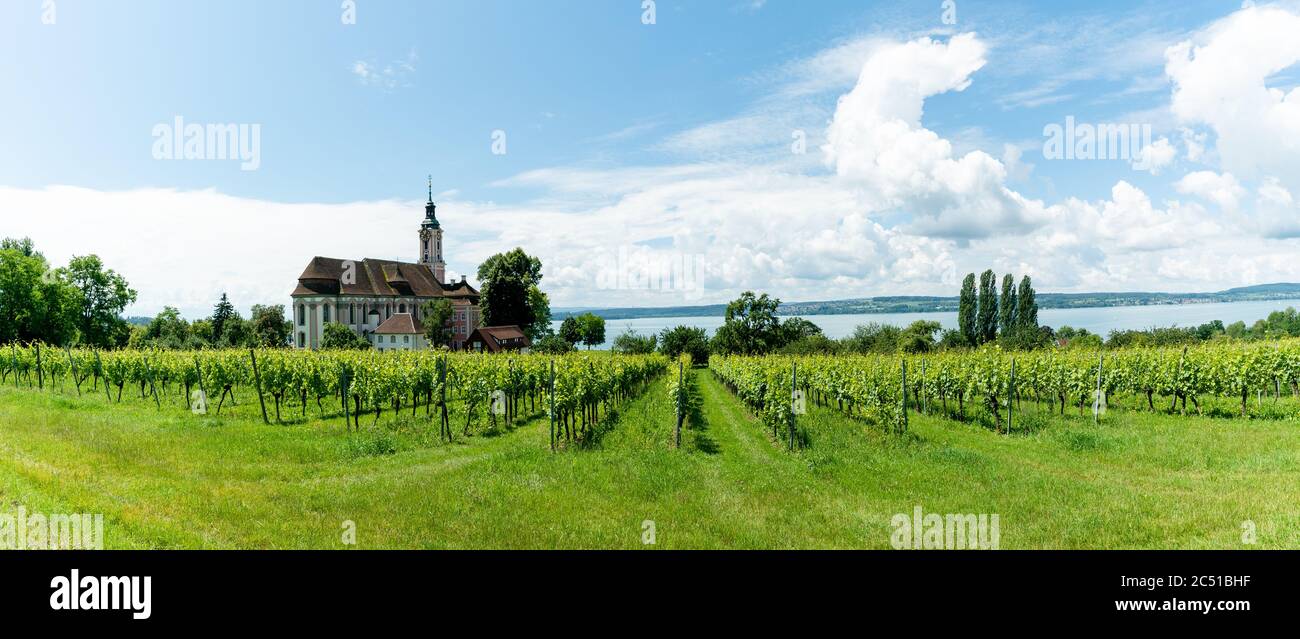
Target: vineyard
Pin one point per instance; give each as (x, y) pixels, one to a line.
(576, 391)
(884, 389)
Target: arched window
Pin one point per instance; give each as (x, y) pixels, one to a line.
(302, 315)
(327, 313)
(401, 308)
(352, 313)
(302, 340)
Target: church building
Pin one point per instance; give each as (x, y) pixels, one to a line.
(381, 300)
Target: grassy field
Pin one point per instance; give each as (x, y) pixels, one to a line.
(169, 479)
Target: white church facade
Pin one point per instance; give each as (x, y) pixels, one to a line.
(382, 300)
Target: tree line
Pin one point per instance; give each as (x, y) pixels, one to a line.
(77, 304)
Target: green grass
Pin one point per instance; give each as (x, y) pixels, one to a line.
(169, 479)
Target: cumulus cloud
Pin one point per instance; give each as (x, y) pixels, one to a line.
(1222, 189)
(1221, 80)
(877, 142)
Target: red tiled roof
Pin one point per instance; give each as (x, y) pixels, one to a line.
(401, 324)
(497, 338)
(376, 278)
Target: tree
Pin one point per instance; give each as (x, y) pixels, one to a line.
(437, 322)
(685, 339)
(104, 295)
(750, 326)
(918, 337)
(269, 327)
(988, 307)
(794, 329)
(36, 302)
(966, 308)
(238, 332)
(507, 296)
(634, 343)
(593, 329)
(338, 336)
(1007, 310)
(541, 306)
(552, 344)
(168, 329)
(874, 338)
(952, 339)
(220, 315)
(571, 330)
(1026, 307)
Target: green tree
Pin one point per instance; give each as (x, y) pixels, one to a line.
(36, 301)
(1026, 307)
(223, 311)
(750, 326)
(918, 337)
(966, 309)
(571, 330)
(104, 295)
(794, 329)
(507, 296)
(269, 327)
(1007, 326)
(873, 338)
(685, 339)
(552, 344)
(988, 307)
(634, 343)
(541, 306)
(237, 333)
(340, 337)
(437, 322)
(593, 329)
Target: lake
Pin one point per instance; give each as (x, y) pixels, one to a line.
(1097, 320)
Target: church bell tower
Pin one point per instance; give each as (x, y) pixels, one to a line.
(431, 240)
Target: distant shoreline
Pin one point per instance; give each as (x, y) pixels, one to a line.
(934, 304)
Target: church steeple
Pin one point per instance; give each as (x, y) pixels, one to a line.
(430, 215)
(431, 239)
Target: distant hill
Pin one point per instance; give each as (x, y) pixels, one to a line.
(932, 304)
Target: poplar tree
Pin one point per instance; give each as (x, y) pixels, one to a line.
(988, 307)
(1007, 309)
(966, 311)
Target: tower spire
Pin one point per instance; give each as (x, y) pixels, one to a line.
(430, 188)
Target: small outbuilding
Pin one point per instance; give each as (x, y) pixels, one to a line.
(495, 339)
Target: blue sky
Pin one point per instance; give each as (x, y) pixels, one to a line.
(668, 141)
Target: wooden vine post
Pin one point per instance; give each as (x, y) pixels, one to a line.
(257, 378)
(1011, 395)
(552, 411)
(72, 368)
(681, 415)
(148, 370)
(40, 373)
(1097, 407)
(203, 394)
(794, 388)
(904, 396)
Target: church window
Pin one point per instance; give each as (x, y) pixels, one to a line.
(302, 340)
(401, 308)
(327, 313)
(302, 315)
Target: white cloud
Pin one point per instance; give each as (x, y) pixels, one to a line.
(877, 142)
(1222, 189)
(389, 76)
(1156, 156)
(1221, 81)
